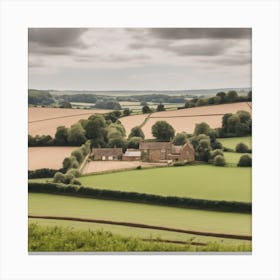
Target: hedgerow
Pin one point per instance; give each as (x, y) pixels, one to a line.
(182, 202)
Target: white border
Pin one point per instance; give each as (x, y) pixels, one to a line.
(262, 16)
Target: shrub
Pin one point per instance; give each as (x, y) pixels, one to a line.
(219, 160)
(244, 161)
(75, 182)
(59, 177)
(217, 152)
(179, 163)
(241, 148)
(75, 172)
(42, 173)
(78, 155)
(216, 145)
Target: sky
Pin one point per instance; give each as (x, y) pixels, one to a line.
(139, 58)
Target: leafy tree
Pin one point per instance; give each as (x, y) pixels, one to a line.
(136, 132)
(59, 178)
(117, 143)
(78, 155)
(76, 135)
(216, 145)
(163, 131)
(216, 152)
(201, 102)
(180, 139)
(232, 96)
(232, 123)
(146, 109)
(202, 128)
(113, 116)
(217, 100)
(96, 130)
(133, 142)
(65, 104)
(126, 112)
(61, 135)
(222, 96)
(195, 139)
(117, 126)
(160, 107)
(249, 95)
(219, 160)
(244, 161)
(204, 150)
(241, 148)
(225, 121)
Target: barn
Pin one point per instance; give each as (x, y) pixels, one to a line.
(107, 153)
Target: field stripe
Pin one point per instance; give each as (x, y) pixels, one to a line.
(61, 117)
(222, 235)
(185, 116)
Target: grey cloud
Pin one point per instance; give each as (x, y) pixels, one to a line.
(207, 49)
(201, 33)
(55, 41)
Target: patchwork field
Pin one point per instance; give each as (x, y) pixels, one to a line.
(132, 121)
(232, 142)
(188, 219)
(44, 121)
(201, 181)
(47, 157)
(103, 166)
(186, 119)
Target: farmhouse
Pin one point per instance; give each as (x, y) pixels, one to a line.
(131, 155)
(107, 153)
(157, 151)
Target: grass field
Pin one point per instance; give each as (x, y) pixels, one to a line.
(136, 232)
(207, 221)
(201, 181)
(232, 142)
(62, 239)
(232, 158)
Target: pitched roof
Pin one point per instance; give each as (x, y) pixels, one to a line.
(107, 151)
(155, 145)
(132, 153)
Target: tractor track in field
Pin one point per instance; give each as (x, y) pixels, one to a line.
(138, 225)
(60, 117)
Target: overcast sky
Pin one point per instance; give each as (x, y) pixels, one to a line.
(139, 58)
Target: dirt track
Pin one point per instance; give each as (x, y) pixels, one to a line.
(222, 235)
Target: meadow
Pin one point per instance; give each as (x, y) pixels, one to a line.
(61, 239)
(199, 181)
(187, 219)
(232, 142)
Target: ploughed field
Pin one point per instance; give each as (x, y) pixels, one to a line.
(44, 121)
(200, 181)
(127, 212)
(47, 157)
(186, 119)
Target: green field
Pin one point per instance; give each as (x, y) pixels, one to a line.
(136, 232)
(232, 158)
(200, 181)
(188, 219)
(63, 239)
(232, 142)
